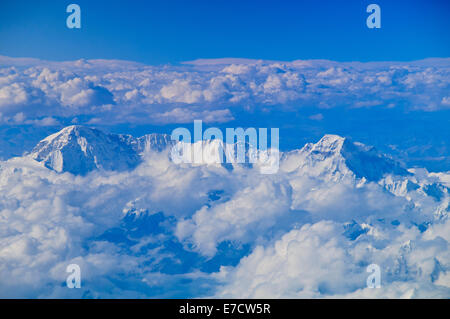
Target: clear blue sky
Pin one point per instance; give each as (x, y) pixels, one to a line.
(157, 32)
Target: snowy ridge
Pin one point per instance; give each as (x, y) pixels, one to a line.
(335, 157)
(79, 150)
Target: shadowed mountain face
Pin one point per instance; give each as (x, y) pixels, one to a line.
(366, 161)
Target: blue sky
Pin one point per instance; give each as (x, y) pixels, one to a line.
(158, 32)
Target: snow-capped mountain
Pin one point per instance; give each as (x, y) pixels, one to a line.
(79, 150)
(148, 142)
(339, 195)
(334, 157)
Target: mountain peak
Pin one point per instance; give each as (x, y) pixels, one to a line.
(79, 149)
(334, 157)
(330, 142)
(331, 138)
(69, 130)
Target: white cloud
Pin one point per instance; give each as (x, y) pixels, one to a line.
(185, 115)
(78, 88)
(317, 261)
(245, 217)
(292, 222)
(12, 95)
(309, 234)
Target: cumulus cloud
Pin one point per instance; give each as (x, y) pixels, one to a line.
(306, 231)
(12, 95)
(150, 94)
(185, 115)
(318, 261)
(250, 213)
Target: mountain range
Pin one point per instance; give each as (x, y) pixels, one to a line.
(177, 219)
(80, 149)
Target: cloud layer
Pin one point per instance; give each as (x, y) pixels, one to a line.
(160, 229)
(169, 230)
(35, 92)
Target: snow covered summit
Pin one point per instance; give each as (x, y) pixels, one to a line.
(79, 150)
(334, 157)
